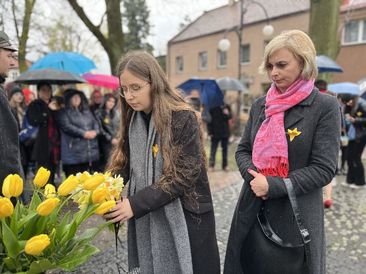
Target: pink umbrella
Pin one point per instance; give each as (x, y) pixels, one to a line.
(102, 80)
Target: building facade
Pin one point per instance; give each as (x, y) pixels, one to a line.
(194, 51)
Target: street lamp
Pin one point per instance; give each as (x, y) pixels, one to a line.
(224, 44)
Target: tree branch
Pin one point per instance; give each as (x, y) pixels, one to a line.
(94, 29)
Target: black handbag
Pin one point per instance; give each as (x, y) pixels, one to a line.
(264, 252)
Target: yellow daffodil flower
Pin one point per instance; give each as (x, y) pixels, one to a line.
(35, 245)
(49, 191)
(41, 177)
(99, 195)
(293, 133)
(93, 182)
(104, 207)
(12, 185)
(6, 207)
(68, 185)
(46, 207)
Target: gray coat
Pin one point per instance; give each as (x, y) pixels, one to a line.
(9, 144)
(312, 160)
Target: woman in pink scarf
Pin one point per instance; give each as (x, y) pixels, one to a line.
(292, 132)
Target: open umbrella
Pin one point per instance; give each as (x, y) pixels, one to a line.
(326, 64)
(64, 60)
(210, 93)
(51, 76)
(228, 83)
(345, 88)
(102, 80)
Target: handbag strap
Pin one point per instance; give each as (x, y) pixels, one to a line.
(303, 231)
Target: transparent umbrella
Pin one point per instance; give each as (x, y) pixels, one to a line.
(326, 64)
(229, 83)
(51, 76)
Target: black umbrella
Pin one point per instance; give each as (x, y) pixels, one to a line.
(228, 83)
(51, 76)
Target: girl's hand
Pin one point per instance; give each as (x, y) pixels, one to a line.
(122, 212)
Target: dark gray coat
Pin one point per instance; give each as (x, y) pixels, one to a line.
(312, 161)
(9, 144)
(75, 149)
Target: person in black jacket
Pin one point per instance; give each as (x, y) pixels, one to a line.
(9, 144)
(356, 120)
(219, 131)
(41, 113)
(108, 119)
(160, 153)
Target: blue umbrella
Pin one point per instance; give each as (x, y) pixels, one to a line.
(345, 88)
(67, 61)
(211, 94)
(326, 64)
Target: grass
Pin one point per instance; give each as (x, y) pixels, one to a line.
(218, 161)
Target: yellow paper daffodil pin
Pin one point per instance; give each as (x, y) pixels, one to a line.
(155, 150)
(359, 113)
(293, 133)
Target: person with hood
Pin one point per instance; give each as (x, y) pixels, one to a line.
(79, 131)
(108, 119)
(9, 144)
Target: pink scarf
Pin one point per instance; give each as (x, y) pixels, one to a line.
(270, 151)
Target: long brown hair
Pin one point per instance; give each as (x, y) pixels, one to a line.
(165, 101)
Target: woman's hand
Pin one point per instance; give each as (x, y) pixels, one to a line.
(259, 184)
(122, 212)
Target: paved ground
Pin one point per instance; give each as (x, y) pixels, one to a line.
(345, 229)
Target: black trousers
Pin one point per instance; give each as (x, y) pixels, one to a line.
(356, 172)
(344, 153)
(214, 144)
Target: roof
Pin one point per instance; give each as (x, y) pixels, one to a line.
(228, 16)
(349, 5)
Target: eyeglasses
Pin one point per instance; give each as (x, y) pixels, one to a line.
(133, 89)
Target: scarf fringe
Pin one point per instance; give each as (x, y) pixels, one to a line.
(278, 166)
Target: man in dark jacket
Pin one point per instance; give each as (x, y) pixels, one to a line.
(41, 114)
(219, 131)
(9, 144)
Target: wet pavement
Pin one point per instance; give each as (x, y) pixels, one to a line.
(345, 225)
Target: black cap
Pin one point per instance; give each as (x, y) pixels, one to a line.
(5, 42)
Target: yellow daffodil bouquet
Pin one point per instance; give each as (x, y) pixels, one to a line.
(43, 234)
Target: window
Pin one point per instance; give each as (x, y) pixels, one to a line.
(202, 60)
(221, 59)
(179, 64)
(245, 54)
(354, 32)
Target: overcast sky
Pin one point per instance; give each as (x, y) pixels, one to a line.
(165, 18)
(166, 15)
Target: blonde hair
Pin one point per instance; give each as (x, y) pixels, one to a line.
(165, 101)
(301, 46)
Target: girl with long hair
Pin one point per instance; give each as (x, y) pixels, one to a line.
(171, 226)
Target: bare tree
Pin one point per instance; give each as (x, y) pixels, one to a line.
(113, 41)
(23, 33)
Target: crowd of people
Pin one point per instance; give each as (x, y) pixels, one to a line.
(64, 133)
(154, 139)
